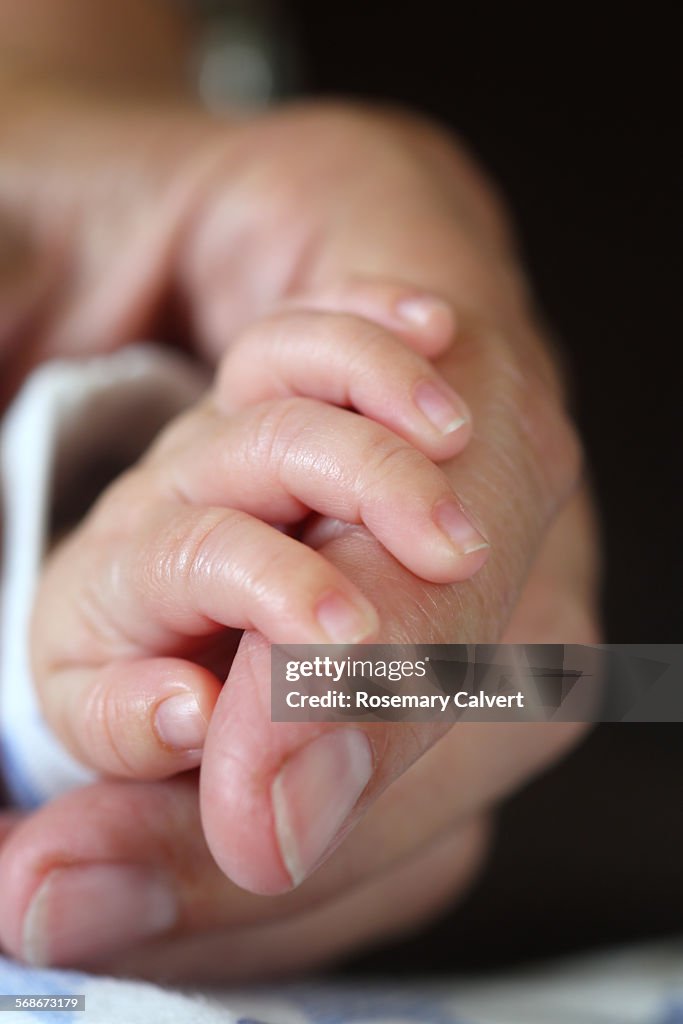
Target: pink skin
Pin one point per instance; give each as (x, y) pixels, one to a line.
(173, 554)
(263, 822)
(283, 459)
(219, 929)
(227, 223)
(277, 799)
(350, 362)
(90, 859)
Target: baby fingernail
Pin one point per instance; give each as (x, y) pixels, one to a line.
(344, 622)
(83, 913)
(427, 314)
(314, 793)
(458, 528)
(443, 410)
(179, 722)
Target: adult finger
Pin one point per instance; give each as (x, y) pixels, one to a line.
(82, 885)
(424, 321)
(353, 918)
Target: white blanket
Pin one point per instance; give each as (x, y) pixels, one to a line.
(70, 419)
(640, 986)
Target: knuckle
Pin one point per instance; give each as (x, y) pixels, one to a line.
(276, 426)
(74, 625)
(99, 632)
(371, 341)
(296, 570)
(189, 550)
(107, 719)
(387, 458)
(282, 581)
(372, 353)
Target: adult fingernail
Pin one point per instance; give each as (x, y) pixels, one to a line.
(314, 793)
(344, 622)
(427, 313)
(179, 722)
(442, 408)
(459, 529)
(83, 913)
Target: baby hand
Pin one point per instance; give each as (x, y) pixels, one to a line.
(137, 612)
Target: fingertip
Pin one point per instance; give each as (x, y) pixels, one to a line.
(429, 318)
(144, 719)
(443, 545)
(98, 853)
(313, 794)
(446, 419)
(243, 752)
(180, 723)
(347, 621)
(172, 734)
(469, 548)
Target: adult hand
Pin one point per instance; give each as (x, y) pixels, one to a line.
(225, 223)
(138, 891)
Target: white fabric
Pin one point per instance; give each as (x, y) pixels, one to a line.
(637, 986)
(68, 416)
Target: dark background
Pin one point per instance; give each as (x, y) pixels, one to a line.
(575, 115)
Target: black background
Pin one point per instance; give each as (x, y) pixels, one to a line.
(575, 115)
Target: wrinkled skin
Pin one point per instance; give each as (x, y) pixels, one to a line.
(126, 221)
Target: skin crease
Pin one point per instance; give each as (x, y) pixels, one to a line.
(302, 212)
(103, 639)
(215, 911)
